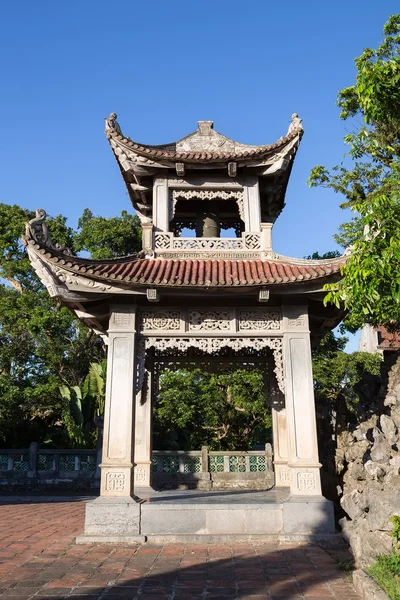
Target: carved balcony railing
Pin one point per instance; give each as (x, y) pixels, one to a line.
(213, 469)
(167, 242)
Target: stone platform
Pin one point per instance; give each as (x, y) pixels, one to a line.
(213, 516)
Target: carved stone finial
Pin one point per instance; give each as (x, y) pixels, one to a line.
(205, 127)
(296, 123)
(112, 123)
(37, 230)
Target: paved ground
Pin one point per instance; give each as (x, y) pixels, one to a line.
(39, 559)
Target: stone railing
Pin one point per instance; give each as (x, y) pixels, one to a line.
(213, 469)
(166, 241)
(35, 466)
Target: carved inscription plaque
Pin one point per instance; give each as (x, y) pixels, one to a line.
(115, 482)
(306, 481)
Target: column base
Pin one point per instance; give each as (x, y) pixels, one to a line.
(308, 515)
(282, 474)
(142, 474)
(112, 519)
(305, 480)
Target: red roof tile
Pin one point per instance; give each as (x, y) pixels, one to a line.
(194, 272)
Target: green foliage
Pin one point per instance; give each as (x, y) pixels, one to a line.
(82, 404)
(370, 287)
(108, 238)
(42, 345)
(386, 572)
(226, 411)
(336, 373)
(395, 533)
(325, 256)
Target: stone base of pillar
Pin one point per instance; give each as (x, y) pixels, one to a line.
(311, 515)
(305, 480)
(109, 519)
(142, 474)
(282, 474)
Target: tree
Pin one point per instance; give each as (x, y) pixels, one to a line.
(107, 238)
(370, 287)
(226, 411)
(42, 345)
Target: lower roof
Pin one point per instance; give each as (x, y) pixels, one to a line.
(222, 272)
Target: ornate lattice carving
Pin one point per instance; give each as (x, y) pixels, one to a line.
(161, 320)
(207, 194)
(200, 194)
(252, 241)
(162, 241)
(259, 320)
(306, 481)
(209, 346)
(115, 482)
(209, 320)
(207, 244)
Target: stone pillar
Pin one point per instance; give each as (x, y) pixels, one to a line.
(280, 438)
(161, 204)
(147, 236)
(300, 409)
(143, 436)
(115, 515)
(266, 237)
(251, 197)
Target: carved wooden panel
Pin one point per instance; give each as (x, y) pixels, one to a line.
(259, 320)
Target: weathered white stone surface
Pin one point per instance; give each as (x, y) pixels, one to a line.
(366, 586)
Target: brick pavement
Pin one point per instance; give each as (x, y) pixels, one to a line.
(39, 560)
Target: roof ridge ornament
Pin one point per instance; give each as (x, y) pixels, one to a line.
(112, 123)
(205, 127)
(37, 230)
(296, 124)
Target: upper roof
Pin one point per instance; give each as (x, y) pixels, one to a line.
(205, 145)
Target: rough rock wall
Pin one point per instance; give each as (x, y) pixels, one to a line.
(368, 458)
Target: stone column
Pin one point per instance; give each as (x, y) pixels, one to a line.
(280, 438)
(251, 198)
(115, 515)
(161, 204)
(300, 409)
(117, 461)
(143, 436)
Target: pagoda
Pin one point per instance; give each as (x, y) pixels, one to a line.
(206, 282)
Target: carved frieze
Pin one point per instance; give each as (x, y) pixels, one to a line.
(209, 345)
(207, 194)
(259, 320)
(249, 241)
(160, 320)
(209, 320)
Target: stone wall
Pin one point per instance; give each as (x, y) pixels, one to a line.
(368, 461)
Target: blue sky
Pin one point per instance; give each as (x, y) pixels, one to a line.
(162, 66)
